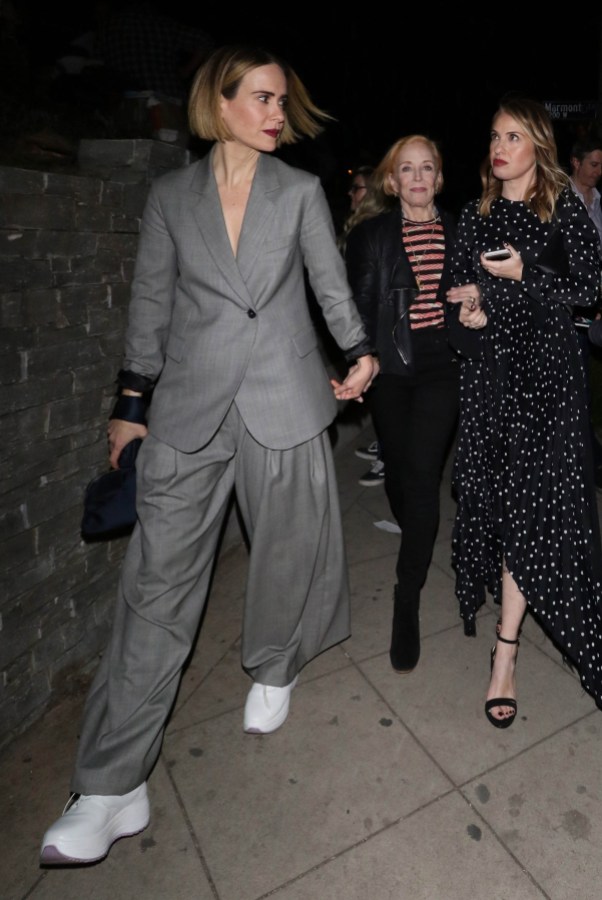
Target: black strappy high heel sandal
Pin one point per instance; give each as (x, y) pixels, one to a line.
(507, 721)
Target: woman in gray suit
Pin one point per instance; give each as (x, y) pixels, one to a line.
(219, 331)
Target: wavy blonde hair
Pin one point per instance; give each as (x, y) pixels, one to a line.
(221, 75)
(372, 204)
(550, 180)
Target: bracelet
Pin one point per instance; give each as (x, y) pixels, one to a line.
(130, 409)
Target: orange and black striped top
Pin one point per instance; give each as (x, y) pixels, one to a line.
(424, 243)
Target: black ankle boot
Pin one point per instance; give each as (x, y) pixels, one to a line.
(405, 637)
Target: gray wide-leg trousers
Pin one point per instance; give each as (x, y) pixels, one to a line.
(297, 600)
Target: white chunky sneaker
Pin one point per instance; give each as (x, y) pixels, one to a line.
(266, 708)
(91, 823)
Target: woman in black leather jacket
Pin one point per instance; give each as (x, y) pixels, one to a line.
(398, 264)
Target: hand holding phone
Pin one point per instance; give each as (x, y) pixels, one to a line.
(502, 253)
(582, 322)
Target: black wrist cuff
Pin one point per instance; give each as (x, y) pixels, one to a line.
(130, 409)
(364, 348)
(134, 382)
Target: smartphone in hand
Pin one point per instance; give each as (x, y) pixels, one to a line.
(502, 253)
(582, 322)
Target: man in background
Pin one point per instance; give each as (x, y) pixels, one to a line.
(586, 170)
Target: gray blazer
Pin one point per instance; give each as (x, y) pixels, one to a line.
(210, 328)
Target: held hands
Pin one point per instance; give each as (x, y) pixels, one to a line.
(121, 433)
(505, 268)
(471, 315)
(358, 380)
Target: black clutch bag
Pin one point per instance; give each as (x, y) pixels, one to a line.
(110, 498)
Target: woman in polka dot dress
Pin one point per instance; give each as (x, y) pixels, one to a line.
(526, 526)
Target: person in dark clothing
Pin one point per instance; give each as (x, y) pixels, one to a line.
(586, 169)
(527, 523)
(398, 268)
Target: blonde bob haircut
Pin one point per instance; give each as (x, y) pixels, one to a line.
(550, 180)
(221, 75)
(381, 179)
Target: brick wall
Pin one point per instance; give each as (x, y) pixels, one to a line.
(67, 248)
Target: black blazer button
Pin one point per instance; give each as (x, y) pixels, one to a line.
(251, 313)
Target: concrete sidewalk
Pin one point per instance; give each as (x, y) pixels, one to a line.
(378, 786)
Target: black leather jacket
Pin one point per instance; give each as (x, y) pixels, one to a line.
(384, 286)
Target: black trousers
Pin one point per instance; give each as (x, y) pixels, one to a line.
(415, 422)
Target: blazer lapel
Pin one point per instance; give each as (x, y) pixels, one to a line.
(402, 275)
(210, 220)
(258, 215)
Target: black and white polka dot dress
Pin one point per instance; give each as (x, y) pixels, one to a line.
(523, 473)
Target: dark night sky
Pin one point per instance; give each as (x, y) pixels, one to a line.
(414, 70)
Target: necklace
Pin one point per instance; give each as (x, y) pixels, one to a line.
(408, 229)
(432, 221)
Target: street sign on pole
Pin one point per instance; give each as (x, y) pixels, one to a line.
(571, 110)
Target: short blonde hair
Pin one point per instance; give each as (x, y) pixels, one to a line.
(382, 173)
(550, 180)
(221, 75)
